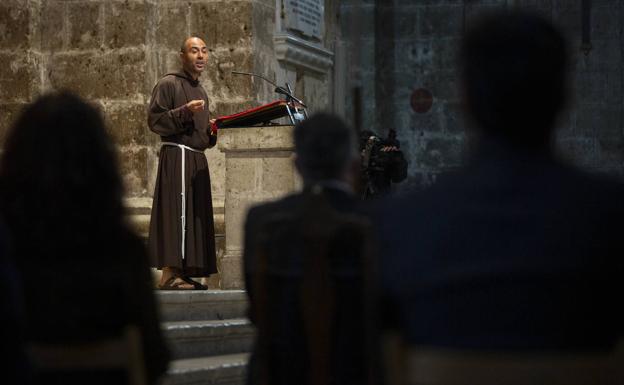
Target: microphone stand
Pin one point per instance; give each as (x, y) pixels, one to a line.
(292, 101)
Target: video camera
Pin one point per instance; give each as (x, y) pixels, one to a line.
(383, 163)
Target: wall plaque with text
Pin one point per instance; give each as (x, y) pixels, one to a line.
(305, 16)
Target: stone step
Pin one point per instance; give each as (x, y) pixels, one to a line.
(189, 339)
(217, 370)
(202, 305)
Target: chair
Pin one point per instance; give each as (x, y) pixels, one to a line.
(124, 353)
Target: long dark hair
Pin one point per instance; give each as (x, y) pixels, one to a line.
(61, 192)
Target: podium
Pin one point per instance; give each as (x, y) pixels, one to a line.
(258, 167)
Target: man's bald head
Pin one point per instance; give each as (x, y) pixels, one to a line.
(191, 41)
(193, 55)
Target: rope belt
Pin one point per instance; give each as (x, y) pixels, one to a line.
(183, 193)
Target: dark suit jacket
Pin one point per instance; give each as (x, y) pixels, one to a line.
(515, 251)
(285, 352)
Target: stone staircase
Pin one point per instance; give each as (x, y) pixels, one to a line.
(208, 335)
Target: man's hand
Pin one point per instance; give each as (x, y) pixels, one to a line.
(195, 105)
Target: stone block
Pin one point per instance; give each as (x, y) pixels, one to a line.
(218, 79)
(452, 118)
(439, 152)
(171, 25)
(407, 22)
(357, 21)
(19, 76)
(408, 3)
(127, 123)
(598, 86)
(415, 56)
(133, 164)
(240, 177)
(371, 54)
(224, 23)
(9, 112)
(126, 23)
(443, 84)
(441, 21)
(316, 93)
(115, 74)
(611, 150)
(15, 21)
(445, 53)
(605, 55)
(231, 270)
(595, 119)
(216, 163)
(534, 4)
(264, 62)
(606, 21)
(85, 24)
(168, 61)
(263, 26)
(567, 17)
(278, 173)
(563, 5)
(53, 25)
(423, 56)
(476, 9)
(427, 122)
(356, 3)
(254, 139)
(579, 151)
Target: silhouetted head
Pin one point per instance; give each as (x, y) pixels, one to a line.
(60, 186)
(514, 76)
(325, 148)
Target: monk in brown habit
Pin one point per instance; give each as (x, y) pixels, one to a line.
(181, 236)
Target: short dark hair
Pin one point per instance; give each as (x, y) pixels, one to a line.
(324, 145)
(513, 69)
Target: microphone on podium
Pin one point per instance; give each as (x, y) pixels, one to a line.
(278, 89)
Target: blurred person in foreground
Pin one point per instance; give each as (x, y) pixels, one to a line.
(509, 271)
(308, 269)
(85, 273)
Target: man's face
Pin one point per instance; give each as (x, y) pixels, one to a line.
(194, 55)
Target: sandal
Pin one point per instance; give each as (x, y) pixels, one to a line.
(197, 285)
(172, 284)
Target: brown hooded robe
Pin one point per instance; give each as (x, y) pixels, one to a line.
(168, 118)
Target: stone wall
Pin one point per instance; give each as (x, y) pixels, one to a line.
(407, 45)
(112, 52)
